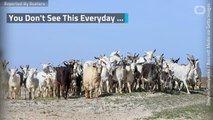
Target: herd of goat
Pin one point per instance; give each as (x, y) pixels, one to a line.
(104, 75)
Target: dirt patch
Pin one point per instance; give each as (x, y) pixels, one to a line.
(132, 106)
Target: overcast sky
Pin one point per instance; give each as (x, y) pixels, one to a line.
(170, 26)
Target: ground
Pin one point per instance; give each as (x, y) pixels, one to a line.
(134, 106)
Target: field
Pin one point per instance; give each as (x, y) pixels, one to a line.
(134, 106)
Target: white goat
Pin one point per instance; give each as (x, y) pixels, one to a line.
(118, 73)
(181, 72)
(51, 83)
(32, 83)
(14, 83)
(91, 80)
(198, 70)
(130, 73)
(149, 55)
(42, 77)
(115, 57)
(105, 77)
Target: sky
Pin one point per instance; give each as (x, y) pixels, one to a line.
(169, 26)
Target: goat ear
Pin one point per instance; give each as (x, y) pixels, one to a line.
(65, 63)
(16, 69)
(190, 56)
(96, 58)
(28, 66)
(145, 59)
(129, 57)
(144, 56)
(154, 51)
(21, 67)
(7, 63)
(118, 52)
(137, 55)
(139, 63)
(178, 59)
(188, 59)
(162, 60)
(104, 62)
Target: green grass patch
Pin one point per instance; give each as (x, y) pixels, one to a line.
(195, 112)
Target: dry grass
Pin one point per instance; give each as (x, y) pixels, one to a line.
(137, 105)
